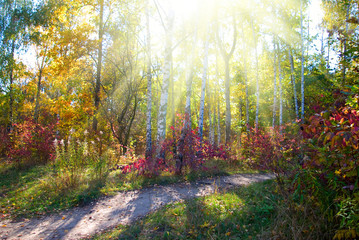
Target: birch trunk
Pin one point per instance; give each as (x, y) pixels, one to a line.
(41, 67)
(37, 101)
(345, 43)
(162, 112)
(149, 88)
(275, 86)
(203, 91)
(188, 121)
(99, 67)
(226, 58)
(292, 78)
(257, 76)
(214, 123)
(302, 60)
(11, 94)
(218, 125)
(211, 132)
(246, 79)
(280, 89)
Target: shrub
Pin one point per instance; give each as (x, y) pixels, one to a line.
(332, 142)
(5, 141)
(31, 143)
(276, 149)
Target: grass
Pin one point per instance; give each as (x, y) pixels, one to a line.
(36, 191)
(242, 213)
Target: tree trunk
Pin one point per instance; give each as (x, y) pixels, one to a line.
(11, 94)
(218, 125)
(257, 76)
(226, 57)
(99, 67)
(275, 85)
(280, 89)
(37, 101)
(246, 79)
(162, 112)
(149, 88)
(203, 91)
(302, 59)
(211, 123)
(345, 44)
(228, 102)
(292, 77)
(188, 121)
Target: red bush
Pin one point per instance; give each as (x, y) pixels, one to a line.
(31, 143)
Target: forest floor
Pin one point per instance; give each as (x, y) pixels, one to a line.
(123, 208)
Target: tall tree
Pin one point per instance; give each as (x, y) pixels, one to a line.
(246, 78)
(292, 78)
(41, 63)
(99, 64)
(162, 113)
(227, 57)
(149, 86)
(257, 75)
(302, 59)
(203, 88)
(280, 88)
(274, 83)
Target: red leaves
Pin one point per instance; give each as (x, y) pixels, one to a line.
(31, 143)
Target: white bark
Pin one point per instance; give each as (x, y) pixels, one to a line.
(211, 129)
(302, 59)
(203, 91)
(189, 80)
(226, 58)
(149, 87)
(257, 76)
(293, 82)
(280, 89)
(345, 42)
(162, 112)
(275, 85)
(246, 79)
(218, 125)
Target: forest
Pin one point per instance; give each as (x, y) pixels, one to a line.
(102, 96)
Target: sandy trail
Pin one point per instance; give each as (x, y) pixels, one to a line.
(123, 208)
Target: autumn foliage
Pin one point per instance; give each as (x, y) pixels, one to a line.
(31, 143)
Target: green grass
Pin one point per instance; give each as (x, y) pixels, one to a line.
(243, 213)
(37, 191)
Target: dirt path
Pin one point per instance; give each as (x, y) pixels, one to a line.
(123, 208)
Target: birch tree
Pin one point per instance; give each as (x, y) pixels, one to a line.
(226, 57)
(149, 87)
(274, 83)
(162, 112)
(246, 78)
(280, 88)
(292, 78)
(257, 74)
(99, 65)
(203, 88)
(302, 59)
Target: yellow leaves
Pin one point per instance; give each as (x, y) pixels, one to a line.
(228, 233)
(346, 234)
(204, 225)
